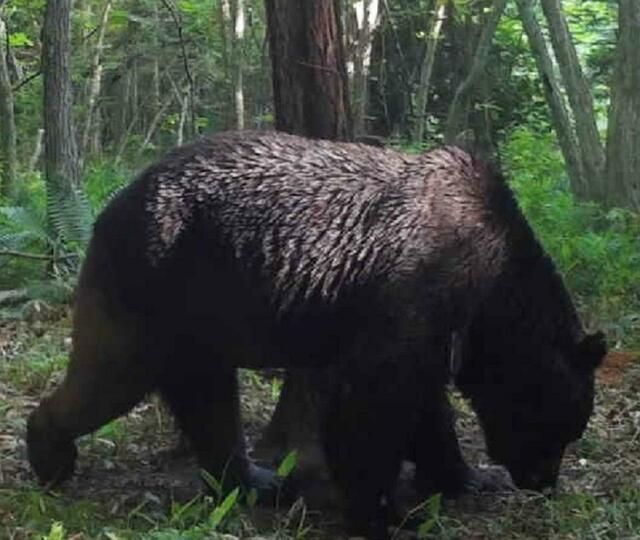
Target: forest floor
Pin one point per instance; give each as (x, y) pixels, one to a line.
(131, 482)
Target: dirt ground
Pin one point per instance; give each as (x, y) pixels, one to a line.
(136, 467)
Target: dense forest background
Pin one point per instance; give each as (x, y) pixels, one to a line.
(549, 89)
(92, 91)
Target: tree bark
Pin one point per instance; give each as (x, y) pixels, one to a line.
(553, 95)
(310, 95)
(61, 156)
(426, 67)
(580, 99)
(457, 115)
(96, 82)
(308, 65)
(623, 137)
(8, 137)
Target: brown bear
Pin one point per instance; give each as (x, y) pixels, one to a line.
(265, 249)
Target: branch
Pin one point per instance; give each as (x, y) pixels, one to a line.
(26, 80)
(22, 255)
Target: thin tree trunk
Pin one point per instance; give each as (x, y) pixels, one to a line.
(61, 156)
(134, 97)
(155, 78)
(123, 102)
(457, 116)
(238, 46)
(623, 137)
(580, 99)
(226, 35)
(37, 150)
(96, 81)
(154, 124)
(184, 113)
(426, 67)
(366, 22)
(553, 95)
(8, 137)
(15, 69)
(95, 142)
(309, 74)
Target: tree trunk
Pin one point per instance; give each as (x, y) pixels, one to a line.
(155, 80)
(96, 81)
(366, 15)
(225, 29)
(184, 113)
(37, 150)
(591, 149)
(8, 159)
(238, 53)
(623, 137)
(457, 116)
(553, 95)
(426, 67)
(61, 157)
(309, 75)
(310, 95)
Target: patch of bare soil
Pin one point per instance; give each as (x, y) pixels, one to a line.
(615, 366)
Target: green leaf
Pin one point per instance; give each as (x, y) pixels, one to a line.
(20, 39)
(56, 532)
(288, 464)
(224, 508)
(212, 482)
(252, 497)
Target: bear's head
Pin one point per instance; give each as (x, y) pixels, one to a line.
(532, 407)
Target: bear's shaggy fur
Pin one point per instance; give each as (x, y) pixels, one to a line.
(269, 249)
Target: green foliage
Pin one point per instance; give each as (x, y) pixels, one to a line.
(56, 532)
(288, 464)
(102, 181)
(597, 251)
(54, 227)
(50, 234)
(221, 511)
(431, 510)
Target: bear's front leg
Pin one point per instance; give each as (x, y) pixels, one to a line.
(205, 402)
(440, 466)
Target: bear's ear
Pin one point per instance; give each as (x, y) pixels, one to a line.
(591, 350)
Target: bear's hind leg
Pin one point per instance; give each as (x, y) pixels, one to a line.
(104, 380)
(207, 408)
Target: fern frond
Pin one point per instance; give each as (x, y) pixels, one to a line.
(71, 217)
